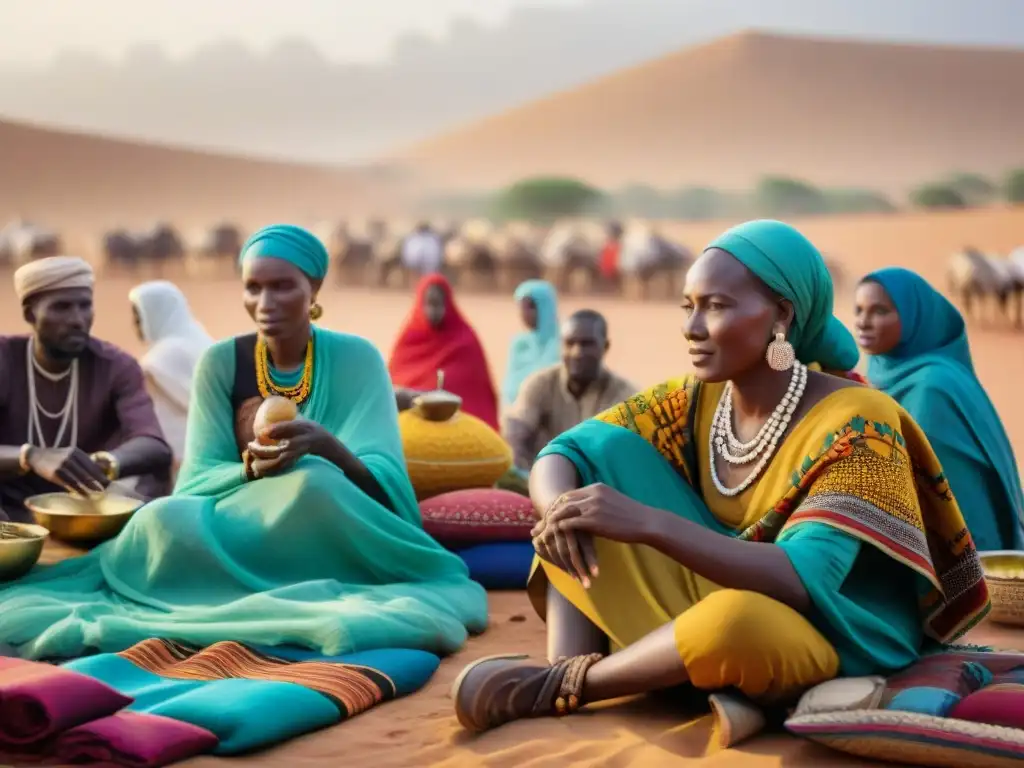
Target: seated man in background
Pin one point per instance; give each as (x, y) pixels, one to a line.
(74, 412)
(423, 251)
(561, 396)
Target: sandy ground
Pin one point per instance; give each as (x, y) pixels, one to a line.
(647, 346)
(421, 730)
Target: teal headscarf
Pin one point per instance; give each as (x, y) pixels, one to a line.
(289, 243)
(789, 264)
(931, 375)
(532, 350)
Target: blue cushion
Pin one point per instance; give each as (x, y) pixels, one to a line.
(934, 686)
(503, 565)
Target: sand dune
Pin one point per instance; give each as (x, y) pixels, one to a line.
(76, 180)
(834, 112)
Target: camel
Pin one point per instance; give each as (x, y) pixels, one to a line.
(469, 259)
(386, 263)
(23, 241)
(972, 276)
(352, 249)
(216, 248)
(647, 258)
(516, 250)
(152, 249)
(572, 249)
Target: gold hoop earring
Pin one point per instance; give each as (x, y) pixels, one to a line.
(316, 312)
(780, 354)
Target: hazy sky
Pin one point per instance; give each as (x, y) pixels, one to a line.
(32, 31)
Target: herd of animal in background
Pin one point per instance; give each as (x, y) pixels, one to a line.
(482, 255)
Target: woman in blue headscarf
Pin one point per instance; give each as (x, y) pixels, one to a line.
(306, 534)
(753, 526)
(539, 345)
(917, 341)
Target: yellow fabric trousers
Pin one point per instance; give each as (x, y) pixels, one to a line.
(725, 637)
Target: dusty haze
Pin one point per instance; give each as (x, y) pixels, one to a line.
(337, 81)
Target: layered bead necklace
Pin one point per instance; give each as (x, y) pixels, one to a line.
(723, 441)
(298, 393)
(68, 415)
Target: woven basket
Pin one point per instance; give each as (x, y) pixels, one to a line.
(1007, 597)
(1004, 575)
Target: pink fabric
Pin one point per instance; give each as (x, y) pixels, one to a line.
(132, 739)
(38, 701)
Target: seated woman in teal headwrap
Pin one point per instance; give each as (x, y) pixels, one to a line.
(753, 526)
(315, 541)
(917, 341)
(539, 345)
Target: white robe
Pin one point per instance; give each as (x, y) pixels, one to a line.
(423, 252)
(176, 341)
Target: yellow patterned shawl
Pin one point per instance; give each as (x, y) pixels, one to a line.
(873, 476)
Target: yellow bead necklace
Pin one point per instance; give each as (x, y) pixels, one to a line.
(267, 387)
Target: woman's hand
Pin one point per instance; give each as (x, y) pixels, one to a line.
(292, 441)
(572, 552)
(602, 511)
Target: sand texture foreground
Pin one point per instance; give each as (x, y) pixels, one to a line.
(421, 730)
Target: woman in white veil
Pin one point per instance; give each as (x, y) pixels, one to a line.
(176, 340)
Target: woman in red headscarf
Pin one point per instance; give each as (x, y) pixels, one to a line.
(435, 337)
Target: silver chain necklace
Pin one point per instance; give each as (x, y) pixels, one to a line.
(68, 415)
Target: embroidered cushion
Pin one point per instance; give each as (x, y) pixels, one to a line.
(1000, 703)
(473, 516)
(935, 684)
(504, 565)
(897, 725)
(461, 452)
(908, 738)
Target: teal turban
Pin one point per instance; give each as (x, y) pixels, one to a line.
(289, 243)
(789, 264)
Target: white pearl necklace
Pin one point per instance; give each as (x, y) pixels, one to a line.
(722, 441)
(68, 415)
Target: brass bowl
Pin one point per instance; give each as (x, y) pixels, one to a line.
(1004, 575)
(78, 519)
(21, 544)
(437, 405)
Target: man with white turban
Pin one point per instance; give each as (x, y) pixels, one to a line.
(74, 411)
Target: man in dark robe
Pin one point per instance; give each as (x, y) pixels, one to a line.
(74, 411)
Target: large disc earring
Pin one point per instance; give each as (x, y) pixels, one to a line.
(316, 312)
(780, 354)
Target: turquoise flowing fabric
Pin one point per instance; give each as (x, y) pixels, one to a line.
(532, 350)
(790, 264)
(303, 558)
(248, 714)
(930, 373)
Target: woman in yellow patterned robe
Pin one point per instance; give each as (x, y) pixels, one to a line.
(845, 555)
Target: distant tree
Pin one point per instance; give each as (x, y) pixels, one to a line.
(974, 188)
(937, 196)
(1014, 186)
(779, 196)
(641, 200)
(547, 198)
(699, 204)
(857, 201)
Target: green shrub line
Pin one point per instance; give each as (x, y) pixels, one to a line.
(546, 198)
